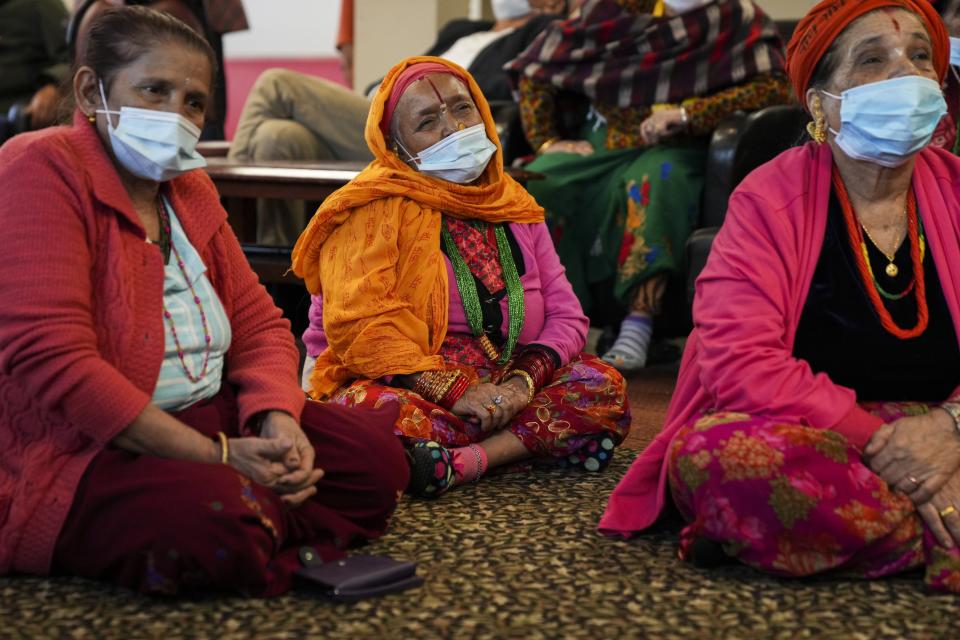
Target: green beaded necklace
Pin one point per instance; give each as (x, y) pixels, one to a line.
(471, 298)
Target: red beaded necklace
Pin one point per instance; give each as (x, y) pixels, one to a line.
(165, 221)
(856, 243)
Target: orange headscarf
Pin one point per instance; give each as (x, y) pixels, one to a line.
(827, 20)
(373, 250)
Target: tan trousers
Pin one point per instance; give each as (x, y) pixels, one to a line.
(292, 116)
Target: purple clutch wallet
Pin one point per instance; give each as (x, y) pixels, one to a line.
(358, 577)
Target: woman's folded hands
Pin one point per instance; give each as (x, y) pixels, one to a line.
(281, 458)
(920, 457)
(492, 405)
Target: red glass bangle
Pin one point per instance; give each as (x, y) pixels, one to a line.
(455, 392)
(538, 364)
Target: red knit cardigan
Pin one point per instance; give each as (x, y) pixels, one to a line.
(81, 325)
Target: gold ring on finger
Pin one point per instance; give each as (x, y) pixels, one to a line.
(946, 512)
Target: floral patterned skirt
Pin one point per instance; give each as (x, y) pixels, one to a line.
(795, 500)
(566, 421)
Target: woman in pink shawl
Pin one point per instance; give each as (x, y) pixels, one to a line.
(815, 422)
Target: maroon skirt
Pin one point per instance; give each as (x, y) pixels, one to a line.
(165, 526)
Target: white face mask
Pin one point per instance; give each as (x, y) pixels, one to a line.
(507, 9)
(460, 157)
(683, 6)
(153, 145)
(955, 52)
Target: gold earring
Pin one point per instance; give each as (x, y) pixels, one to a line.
(92, 119)
(818, 128)
(461, 126)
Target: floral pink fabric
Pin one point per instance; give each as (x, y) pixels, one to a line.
(585, 401)
(796, 501)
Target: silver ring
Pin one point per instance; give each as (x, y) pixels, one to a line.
(498, 399)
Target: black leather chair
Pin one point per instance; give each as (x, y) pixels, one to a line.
(738, 146)
(15, 120)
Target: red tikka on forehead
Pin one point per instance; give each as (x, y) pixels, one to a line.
(435, 90)
(896, 23)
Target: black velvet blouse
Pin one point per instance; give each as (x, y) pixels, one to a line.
(840, 332)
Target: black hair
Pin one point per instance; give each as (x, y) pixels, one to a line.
(824, 69)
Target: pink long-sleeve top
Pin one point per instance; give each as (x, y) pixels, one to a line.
(553, 315)
(748, 304)
(81, 324)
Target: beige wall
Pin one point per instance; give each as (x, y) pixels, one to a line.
(786, 9)
(385, 31)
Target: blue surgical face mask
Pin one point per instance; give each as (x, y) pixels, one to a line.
(955, 52)
(153, 145)
(886, 122)
(508, 9)
(460, 157)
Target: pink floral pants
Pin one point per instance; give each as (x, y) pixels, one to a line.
(795, 501)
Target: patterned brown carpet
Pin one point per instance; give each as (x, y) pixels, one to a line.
(513, 557)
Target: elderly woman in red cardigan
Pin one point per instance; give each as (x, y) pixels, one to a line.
(152, 428)
(815, 422)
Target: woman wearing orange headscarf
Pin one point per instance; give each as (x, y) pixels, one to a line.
(815, 422)
(441, 292)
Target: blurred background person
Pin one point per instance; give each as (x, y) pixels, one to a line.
(619, 104)
(33, 62)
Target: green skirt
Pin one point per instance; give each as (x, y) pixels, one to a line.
(620, 216)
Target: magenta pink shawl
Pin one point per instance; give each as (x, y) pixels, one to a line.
(748, 303)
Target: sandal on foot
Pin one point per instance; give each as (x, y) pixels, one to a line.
(431, 470)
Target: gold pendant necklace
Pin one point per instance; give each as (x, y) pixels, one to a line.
(891, 269)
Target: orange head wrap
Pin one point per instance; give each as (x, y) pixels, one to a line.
(827, 20)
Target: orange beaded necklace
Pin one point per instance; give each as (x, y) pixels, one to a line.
(857, 244)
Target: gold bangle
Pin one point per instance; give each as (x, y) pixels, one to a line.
(547, 144)
(442, 390)
(224, 448)
(531, 387)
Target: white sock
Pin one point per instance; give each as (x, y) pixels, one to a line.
(629, 351)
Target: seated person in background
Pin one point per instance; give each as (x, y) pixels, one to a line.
(950, 12)
(807, 432)
(622, 188)
(345, 41)
(153, 431)
(291, 116)
(33, 59)
(442, 294)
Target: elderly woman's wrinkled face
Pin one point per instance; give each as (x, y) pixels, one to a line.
(430, 110)
(881, 45)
